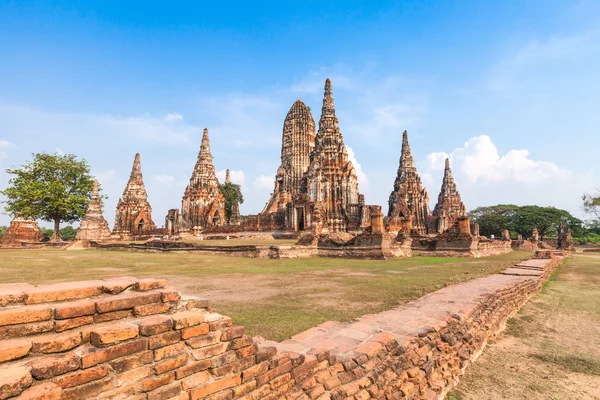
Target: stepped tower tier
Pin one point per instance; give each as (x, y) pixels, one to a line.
(449, 207)
(93, 226)
(203, 203)
(297, 144)
(409, 199)
(134, 213)
(330, 184)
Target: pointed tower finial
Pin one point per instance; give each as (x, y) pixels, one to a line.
(406, 159)
(328, 105)
(136, 169)
(227, 176)
(95, 188)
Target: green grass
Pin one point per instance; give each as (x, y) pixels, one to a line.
(339, 289)
(572, 362)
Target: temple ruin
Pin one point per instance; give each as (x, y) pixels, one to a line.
(93, 226)
(203, 203)
(449, 206)
(297, 145)
(22, 230)
(409, 200)
(134, 214)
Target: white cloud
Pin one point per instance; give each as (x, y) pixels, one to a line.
(237, 177)
(264, 182)
(174, 117)
(479, 160)
(164, 179)
(363, 180)
(60, 151)
(437, 160)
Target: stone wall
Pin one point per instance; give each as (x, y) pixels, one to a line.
(124, 338)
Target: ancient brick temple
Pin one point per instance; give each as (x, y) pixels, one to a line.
(329, 197)
(203, 203)
(298, 142)
(449, 206)
(93, 226)
(134, 213)
(22, 230)
(409, 199)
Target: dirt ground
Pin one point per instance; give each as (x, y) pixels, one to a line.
(551, 348)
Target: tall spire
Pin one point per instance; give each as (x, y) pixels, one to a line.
(93, 226)
(449, 206)
(328, 108)
(406, 158)
(329, 143)
(227, 176)
(135, 188)
(204, 171)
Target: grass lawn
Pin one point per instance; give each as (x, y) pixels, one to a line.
(551, 348)
(272, 298)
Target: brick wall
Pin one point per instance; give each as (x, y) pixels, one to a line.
(132, 339)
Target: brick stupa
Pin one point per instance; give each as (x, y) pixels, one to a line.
(93, 226)
(203, 203)
(297, 144)
(409, 199)
(134, 213)
(22, 230)
(449, 207)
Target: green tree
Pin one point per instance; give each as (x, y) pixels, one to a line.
(233, 194)
(494, 219)
(3, 230)
(68, 232)
(545, 219)
(591, 204)
(52, 187)
(47, 232)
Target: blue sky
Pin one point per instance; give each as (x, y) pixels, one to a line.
(508, 89)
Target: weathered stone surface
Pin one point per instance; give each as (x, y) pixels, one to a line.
(113, 334)
(134, 213)
(74, 309)
(22, 230)
(93, 226)
(449, 206)
(14, 349)
(56, 343)
(13, 380)
(409, 199)
(298, 142)
(51, 366)
(23, 315)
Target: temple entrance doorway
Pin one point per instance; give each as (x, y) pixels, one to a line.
(140, 226)
(300, 225)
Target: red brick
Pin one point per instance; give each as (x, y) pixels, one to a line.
(247, 351)
(192, 369)
(44, 391)
(194, 331)
(118, 284)
(131, 362)
(169, 351)
(170, 364)
(151, 309)
(23, 315)
(164, 339)
(192, 302)
(13, 349)
(186, 319)
(48, 367)
(113, 334)
(149, 284)
(195, 380)
(154, 325)
(165, 392)
(167, 296)
(232, 332)
(370, 349)
(74, 309)
(13, 380)
(244, 341)
(56, 343)
(125, 301)
(66, 324)
(158, 381)
(34, 328)
(81, 377)
(214, 387)
(219, 324)
(209, 351)
(113, 315)
(136, 374)
(89, 390)
(63, 291)
(13, 293)
(205, 340)
(94, 356)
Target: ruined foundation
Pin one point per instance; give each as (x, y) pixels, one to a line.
(124, 338)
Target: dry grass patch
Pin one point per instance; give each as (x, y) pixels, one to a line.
(551, 348)
(272, 298)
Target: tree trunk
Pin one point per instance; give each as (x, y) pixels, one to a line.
(56, 234)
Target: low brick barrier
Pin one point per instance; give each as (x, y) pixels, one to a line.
(131, 339)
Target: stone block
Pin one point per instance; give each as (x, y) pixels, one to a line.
(51, 366)
(44, 391)
(56, 343)
(149, 284)
(93, 356)
(63, 291)
(154, 325)
(14, 349)
(13, 380)
(113, 334)
(125, 301)
(23, 315)
(74, 309)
